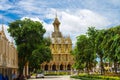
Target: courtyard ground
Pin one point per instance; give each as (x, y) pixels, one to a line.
(65, 77)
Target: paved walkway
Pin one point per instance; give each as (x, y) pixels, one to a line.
(66, 77)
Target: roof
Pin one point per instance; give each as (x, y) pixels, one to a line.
(61, 41)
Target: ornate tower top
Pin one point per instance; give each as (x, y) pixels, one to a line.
(56, 24)
(56, 32)
(2, 25)
(56, 21)
(2, 31)
(2, 28)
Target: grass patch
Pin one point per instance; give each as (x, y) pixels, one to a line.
(57, 73)
(95, 77)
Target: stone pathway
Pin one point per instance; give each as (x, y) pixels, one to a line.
(66, 77)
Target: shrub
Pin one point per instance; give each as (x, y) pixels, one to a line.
(95, 77)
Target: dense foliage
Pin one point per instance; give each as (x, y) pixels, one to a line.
(32, 47)
(103, 44)
(95, 77)
(84, 54)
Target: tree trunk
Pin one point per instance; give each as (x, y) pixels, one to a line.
(21, 70)
(78, 71)
(101, 66)
(87, 66)
(88, 71)
(21, 66)
(115, 67)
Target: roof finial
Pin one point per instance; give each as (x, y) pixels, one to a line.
(56, 14)
(2, 24)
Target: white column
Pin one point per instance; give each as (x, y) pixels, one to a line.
(27, 68)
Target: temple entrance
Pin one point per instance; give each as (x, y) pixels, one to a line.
(61, 67)
(69, 67)
(54, 67)
(46, 67)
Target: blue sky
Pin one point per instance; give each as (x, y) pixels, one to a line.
(75, 15)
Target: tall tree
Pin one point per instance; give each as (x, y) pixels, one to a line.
(28, 36)
(84, 54)
(43, 53)
(99, 48)
(96, 38)
(112, 45)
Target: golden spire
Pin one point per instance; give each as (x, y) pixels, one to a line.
(56, 14)
(2, 25)
(56, 21)
(56, 24)
(3, 28)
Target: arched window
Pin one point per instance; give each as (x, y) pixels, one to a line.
(46, 67)
(54, 67)
(69, 67)
(61, 67)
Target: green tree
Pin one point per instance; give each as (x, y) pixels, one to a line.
(92, 33)
(84, 55)
(96, 38)
(29, 40)
(99, 48)
(103, 43)
(79, 64)
(112, 45)
(43, 53)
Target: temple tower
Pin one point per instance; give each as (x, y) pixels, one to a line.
(60, 48)
(56, 32)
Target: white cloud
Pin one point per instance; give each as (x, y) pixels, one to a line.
(4, 5)
(31, 6)
(32, 18)
(76, 23)
(74, 20)
(79, 22)
(115, 2)
(72, 23)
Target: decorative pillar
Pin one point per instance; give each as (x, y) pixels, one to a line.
(51, 67)
(48, 66)
(66, 67)
(27, 68)
(58, 67)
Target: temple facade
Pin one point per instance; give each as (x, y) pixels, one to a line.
(60, 48)
(8, 56)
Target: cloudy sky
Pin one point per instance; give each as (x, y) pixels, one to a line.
(75, 15)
